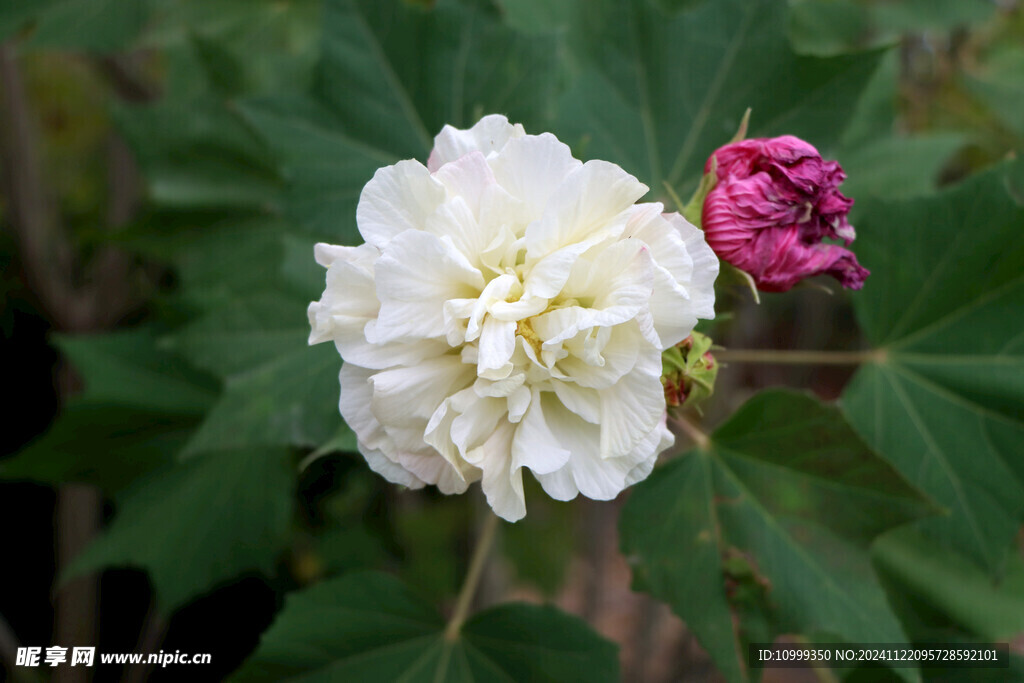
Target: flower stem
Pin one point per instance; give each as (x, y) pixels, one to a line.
(783, 357)
(699, 437)
(476, 568)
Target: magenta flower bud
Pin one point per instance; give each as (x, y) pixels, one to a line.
(774, 202)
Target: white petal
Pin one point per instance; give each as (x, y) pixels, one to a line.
(408, 396)
(615, 287)
(547, 277)
(531, 168)
(390, 470)
(584, 207)
(497, 343)
(518, 403)
(647, 452)
(525, 307)
(534, 446)
(488, 135)
(617, 356)
(415, 275)
(701, 285)
(454, 220)
(349, 303)
(683, 289)
(502, 483)
(398, 198)
(349, 299)
(632, 407)
(354, 404)
(326, 254)
(584, 402)
(468, 178)
(434, 469)
(497, 290)
(475, 425)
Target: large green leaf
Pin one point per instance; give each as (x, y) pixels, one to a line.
(830, 27)
(881, 161)
(765, 530)
(943, 400)
(126, 368)
(109, 446)
(93, 25)
(137, 407)
(291, 400)
(277, 390)
(392, 74)
(661, 91)
(370, 627)
(998, 85)
(240, 46)
(898, 167)
(965, 596)
(196, 154)
(200, 523)
(245, 334)
(16, 15)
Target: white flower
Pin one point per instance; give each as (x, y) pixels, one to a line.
(508, 310)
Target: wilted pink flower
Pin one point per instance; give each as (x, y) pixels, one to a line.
(775, 201)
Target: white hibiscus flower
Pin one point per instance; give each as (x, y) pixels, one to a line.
(508, 310)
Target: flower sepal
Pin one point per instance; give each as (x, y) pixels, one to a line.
(689, 371)
(694, 209)
(731, 275)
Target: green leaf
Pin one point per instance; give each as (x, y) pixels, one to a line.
(831, 27)
(91, 25)
(540, 16)
(661, 92)
(286, 32)
(540, 546)
(898, 167)
(16, 15)
(369, 626)
(109, 446)
(200, 523)
(391, 76)
(220, 261)
(245, 334)
(197, 154)
(966, 596)
(998, 85)
(765, 531)
(325, 168)
(126, 368)
(291, 400)
(277, 390)
(944, 401)
(1015, 181)
(920, 15)
(874, 115)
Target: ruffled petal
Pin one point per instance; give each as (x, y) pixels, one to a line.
(398, 198)
(584, 209)
(532, 168)
(488, 136)
(415, 276)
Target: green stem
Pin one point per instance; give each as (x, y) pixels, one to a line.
(782, 357)
(696, 434)
(476, 568)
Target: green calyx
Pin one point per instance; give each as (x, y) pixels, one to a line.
(689, 371)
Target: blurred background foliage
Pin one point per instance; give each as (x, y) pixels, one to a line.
(168, 165)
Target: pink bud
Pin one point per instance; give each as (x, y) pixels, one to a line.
(775, 201)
